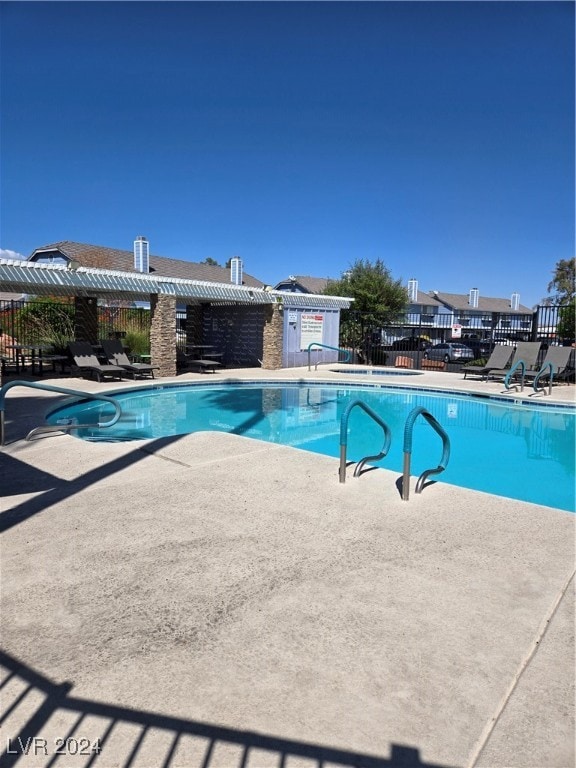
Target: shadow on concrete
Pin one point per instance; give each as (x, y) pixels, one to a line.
(57, 700)
(13, 482)
(21, 478)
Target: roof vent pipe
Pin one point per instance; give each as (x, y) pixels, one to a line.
(142, 254)
(473, 297)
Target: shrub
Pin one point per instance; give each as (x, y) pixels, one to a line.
(48, 323)
(138, 342)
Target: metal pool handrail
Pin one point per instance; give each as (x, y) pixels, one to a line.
(508, 378)
(408, 429)
(326, 346)
(63, 391)
(540, 374)
(344, 438)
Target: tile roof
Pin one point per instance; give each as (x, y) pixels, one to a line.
(426, 300)
(460, 301)
(307, 283)
(100, 257)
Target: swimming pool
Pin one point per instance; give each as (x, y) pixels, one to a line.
(519, 450)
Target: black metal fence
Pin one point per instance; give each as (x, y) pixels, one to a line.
(52, 322)
(374, 340)
(378, 341)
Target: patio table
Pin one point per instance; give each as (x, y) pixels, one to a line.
(35, 353)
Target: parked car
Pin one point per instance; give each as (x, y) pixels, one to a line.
(382, 338)
(449, 352)
(480, 347)
(411, 343)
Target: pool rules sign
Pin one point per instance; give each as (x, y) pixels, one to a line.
(311, 330)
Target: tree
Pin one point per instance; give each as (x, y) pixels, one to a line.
(376, 294)
(210, 261)
(378, 300)
(563, 284)
(567, 321)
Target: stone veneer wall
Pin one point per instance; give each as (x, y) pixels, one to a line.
(273, 337)
(86, 319)
(163, 333)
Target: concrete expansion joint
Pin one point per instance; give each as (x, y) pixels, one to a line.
(524, 664)
(209, 462)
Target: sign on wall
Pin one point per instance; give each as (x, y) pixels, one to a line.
(456, 331)
(311, 330)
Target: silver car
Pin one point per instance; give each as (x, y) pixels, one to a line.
(449, 353)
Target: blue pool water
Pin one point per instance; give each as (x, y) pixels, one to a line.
(522, 451)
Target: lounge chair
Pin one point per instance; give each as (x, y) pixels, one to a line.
(554, 367)
(87, 362)
(116, 355)
(499, 358)
(527, 352)
(184, 361)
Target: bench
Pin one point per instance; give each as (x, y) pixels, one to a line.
(433, 365)
(204, 365)
(403, 362)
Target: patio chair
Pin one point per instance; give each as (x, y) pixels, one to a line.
(499, 358)
(186, 362)
(554, 367)
(116, 355)
(527, 352)
(87, 362)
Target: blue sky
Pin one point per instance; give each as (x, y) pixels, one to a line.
(301, 136)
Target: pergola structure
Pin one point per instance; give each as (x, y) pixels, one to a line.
(87, 285)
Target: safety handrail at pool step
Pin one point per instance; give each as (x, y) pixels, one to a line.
(326, 346)
(512, 372)
(344, 438)
(547, 369)
(408, 429)
(63, 391)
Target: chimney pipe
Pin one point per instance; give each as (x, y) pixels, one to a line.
(142, 254)
(236, 270)
(473, 297)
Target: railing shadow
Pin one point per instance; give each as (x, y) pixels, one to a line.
(22, 477)
(11, 477)
(57, 700)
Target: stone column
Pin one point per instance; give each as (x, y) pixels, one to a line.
(273, 337)
(163, 333)
(86, 319)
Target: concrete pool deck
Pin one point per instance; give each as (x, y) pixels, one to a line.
(212, 601)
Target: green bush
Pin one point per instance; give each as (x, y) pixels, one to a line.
(48, 323)
(138, 342)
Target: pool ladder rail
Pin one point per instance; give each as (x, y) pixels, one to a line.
(408, 439)
(48, 428)
(326, 346)
(408, 431)
(547, 369)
